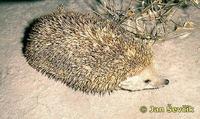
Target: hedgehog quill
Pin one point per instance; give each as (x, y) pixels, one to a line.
(89, 54)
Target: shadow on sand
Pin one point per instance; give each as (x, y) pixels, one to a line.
(26, 36)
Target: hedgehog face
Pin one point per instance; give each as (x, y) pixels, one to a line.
(145, 80)
(152, 79)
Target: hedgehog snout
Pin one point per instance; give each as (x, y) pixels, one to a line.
(152, 83)
(165, 81)
(152, 79)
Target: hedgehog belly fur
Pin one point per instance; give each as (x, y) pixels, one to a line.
(84, 52)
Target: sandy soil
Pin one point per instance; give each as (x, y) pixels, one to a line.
(26, 94)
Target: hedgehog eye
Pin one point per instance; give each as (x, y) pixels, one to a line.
(147, 81)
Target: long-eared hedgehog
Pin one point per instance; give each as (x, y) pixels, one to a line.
(85, 52)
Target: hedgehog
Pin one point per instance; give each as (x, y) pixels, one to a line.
(88, 53)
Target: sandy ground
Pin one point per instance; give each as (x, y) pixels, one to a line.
(26, 94)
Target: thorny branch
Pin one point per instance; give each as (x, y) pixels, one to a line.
(148, 20)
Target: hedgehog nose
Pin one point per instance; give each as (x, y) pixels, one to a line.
(166, 81)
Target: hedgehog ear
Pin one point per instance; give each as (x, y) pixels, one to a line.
(60, 9)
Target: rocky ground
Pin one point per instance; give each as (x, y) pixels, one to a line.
(26, 94)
